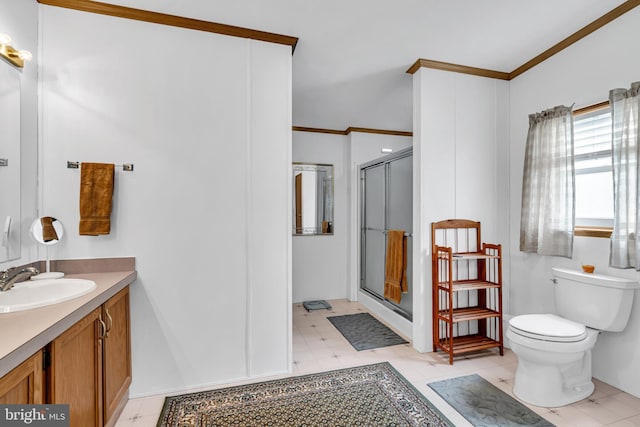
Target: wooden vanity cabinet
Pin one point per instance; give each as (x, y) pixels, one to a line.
(116, 355)
(75, 374)
(91, 365)
(24, 384)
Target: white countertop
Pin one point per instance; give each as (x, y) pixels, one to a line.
(23, 333)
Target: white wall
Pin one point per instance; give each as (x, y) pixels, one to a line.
(582, 74)
(319, 268)
(459, 131)
(206, 120)
(20, 21)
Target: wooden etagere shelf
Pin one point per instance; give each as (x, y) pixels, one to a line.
(467, 289)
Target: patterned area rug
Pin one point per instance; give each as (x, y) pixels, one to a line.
(373, 395)
(365, 332)
(484, 404)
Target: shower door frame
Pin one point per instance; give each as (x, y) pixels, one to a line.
(386, 160)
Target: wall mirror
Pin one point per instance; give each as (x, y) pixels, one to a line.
(312, 199)
(9, 162)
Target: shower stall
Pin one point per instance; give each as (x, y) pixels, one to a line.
(386, 203)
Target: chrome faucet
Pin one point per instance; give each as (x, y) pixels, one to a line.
(8, 278)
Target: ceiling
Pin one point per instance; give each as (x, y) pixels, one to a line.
(349, 67)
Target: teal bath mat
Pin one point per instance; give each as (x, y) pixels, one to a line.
(485, 405)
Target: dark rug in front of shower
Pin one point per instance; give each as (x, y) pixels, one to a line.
(364, 332)
(484, 404)
(372, 395)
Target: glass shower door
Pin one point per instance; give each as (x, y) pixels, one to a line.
(400, 213)
(386, 204)
(374, 250)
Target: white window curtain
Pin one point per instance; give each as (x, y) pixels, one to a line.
(625, 107)
(547, 215)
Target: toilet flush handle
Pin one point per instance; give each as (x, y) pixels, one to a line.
(554, 280)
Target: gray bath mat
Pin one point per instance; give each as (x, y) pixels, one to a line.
(365, 332)
(485, 405)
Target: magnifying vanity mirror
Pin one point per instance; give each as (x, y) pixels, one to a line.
(9, 162)
(47, 231)
(312, 199)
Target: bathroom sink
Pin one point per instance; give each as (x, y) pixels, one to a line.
(40, 293)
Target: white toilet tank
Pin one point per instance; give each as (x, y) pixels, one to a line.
(595, 300)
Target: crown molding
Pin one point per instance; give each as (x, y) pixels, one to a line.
(558, 47)
(318, 130)
(378, 131)
(352, 129)
(578, 35)
(171, 20)
(457, 68)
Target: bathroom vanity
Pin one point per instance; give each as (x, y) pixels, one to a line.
(77, 352)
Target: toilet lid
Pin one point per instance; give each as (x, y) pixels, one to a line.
(548, 327)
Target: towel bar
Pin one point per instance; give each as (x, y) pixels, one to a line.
(386, 231)
(128, 167)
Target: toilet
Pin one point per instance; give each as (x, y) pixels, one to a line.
(554, 350)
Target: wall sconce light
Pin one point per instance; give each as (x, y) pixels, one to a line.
(16, 57)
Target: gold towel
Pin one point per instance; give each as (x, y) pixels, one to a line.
(96, 191)
(48, 230)
(395, 278)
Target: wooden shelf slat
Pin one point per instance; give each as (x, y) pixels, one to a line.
(468, 313)
(472, 255)
(468, 285)
(469, 343)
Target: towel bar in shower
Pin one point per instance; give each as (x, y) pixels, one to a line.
(386, 231)
(127, 167)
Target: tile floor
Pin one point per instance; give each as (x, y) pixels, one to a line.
(318, 346)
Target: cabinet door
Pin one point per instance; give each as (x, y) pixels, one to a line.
(116, 355)
(75, 375)
(24, 384)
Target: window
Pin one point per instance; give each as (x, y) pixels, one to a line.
(593, 171)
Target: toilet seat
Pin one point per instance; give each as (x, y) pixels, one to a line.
(548, 327)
